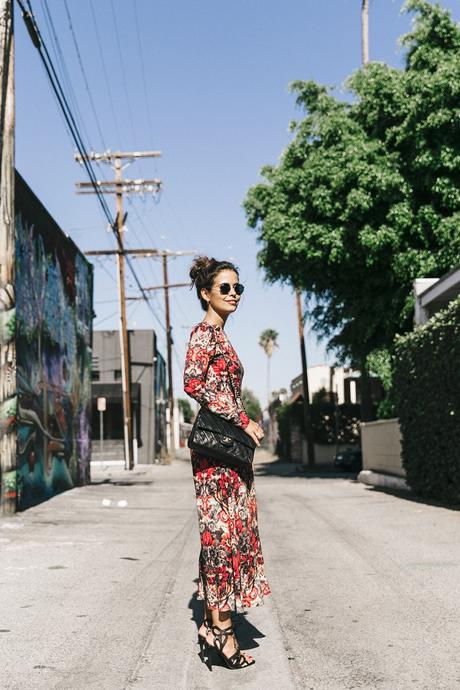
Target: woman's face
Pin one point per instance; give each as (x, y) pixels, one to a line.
(223, 304)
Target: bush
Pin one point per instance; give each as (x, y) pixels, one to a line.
(427, 392)
(324, 422)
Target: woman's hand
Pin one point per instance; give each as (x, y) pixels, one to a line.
(254, 431)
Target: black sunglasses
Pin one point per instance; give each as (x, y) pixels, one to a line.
(226, 287)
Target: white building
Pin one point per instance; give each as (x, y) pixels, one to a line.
(433, 294)
(343, 381)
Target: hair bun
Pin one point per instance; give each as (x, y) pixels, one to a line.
(200, 267)
(203, 272)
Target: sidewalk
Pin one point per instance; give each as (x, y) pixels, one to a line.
(98, 591)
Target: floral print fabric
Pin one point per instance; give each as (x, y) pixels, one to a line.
(231, 564)
(213, 373)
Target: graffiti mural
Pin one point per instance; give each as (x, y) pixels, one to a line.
(54, 285)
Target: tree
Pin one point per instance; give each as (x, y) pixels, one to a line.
(186, 409)
(251, 404)
(267, 341)
(366, 196)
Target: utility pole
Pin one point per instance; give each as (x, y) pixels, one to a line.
(306, 394)
(120, 187)
(124, 337)
(164, 254)
(8, 391)
(169, 342)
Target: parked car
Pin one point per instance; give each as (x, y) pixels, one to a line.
(350, 459)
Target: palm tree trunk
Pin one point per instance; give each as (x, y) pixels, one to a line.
(365, 31)
(268, 381)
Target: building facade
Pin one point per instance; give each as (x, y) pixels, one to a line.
(148, 397)
(342, 381)
(45, 420)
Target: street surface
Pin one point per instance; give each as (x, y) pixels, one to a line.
(366, 588)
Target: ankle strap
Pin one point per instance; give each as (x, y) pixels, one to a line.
(222, 631)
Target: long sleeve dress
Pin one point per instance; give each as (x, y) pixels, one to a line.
(231, 564)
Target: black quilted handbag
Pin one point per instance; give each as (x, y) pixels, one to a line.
(214, 436)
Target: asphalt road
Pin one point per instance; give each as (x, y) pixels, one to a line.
(366, 588)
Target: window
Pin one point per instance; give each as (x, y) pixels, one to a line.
(117, 374)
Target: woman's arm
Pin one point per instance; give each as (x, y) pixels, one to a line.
(203, 377)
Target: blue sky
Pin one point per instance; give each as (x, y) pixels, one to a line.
(207, 84)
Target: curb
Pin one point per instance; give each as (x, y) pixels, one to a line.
(387, 481)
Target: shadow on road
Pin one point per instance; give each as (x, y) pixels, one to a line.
(409, 496)
(246, 633)
(279, 468)
(122, 482)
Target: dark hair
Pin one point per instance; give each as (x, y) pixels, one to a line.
(203, 272)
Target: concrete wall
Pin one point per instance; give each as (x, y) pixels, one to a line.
(381, 446)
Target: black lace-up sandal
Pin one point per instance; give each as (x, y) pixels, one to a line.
(203, 642)
(237, 659)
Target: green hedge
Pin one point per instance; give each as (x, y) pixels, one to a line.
(427, 391)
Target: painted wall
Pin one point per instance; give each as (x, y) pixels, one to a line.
(54, 287)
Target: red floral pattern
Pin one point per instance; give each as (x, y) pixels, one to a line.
(231, 564)
(209, 362)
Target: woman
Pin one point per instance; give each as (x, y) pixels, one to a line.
(231, 565)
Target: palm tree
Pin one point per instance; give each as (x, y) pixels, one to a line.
(365, 31)
(267, 340)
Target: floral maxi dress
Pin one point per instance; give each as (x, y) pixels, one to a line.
(231, 565)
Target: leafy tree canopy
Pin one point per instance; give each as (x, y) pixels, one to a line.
(366, 197)
(251, 404)
(186, 408)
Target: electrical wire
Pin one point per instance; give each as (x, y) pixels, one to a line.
(85, 79)
(40, 45)
(106, 318)
(99, 261)
(59, 56)
(104, 69)
(50, 70)
(123, 73)
(144, 81)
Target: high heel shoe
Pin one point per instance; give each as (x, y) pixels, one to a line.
(203, 642)
(237, 659)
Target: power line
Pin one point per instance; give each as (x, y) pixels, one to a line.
(85, 79)
(141, 220)
(144, 81)
(104, 268)
(123, 74)
(104, 69)
(59, 56)
(47, 62)
(50, 70)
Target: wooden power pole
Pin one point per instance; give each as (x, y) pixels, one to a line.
(169, 343)
(119, 186)
(8, 392)
(306, 393)
(164, 254)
